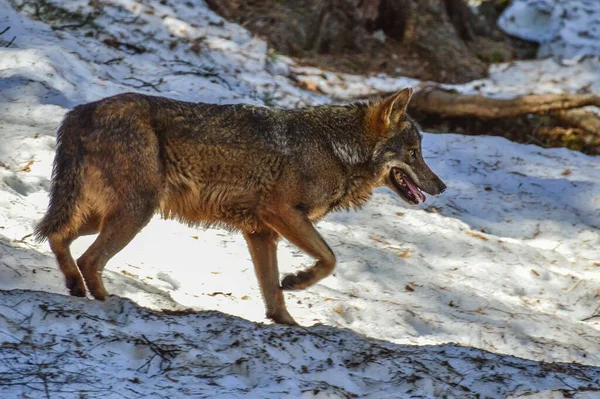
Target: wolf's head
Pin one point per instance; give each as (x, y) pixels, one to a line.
(397, 155)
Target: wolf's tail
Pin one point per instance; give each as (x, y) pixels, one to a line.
(67, 172)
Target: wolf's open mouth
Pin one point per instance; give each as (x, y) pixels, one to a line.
(406, 187)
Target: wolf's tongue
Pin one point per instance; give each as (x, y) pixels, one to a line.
(415, 190)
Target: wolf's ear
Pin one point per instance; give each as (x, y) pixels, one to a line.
(394, 107)
(391, 109)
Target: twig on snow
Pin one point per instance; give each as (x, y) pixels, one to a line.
(11, 40)
(144, 83)
(165, 353)
(87, 19)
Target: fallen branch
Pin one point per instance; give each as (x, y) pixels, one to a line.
(581, 118)
(452, 104)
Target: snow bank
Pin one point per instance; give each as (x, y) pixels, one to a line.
(61, 347)
(565, 29)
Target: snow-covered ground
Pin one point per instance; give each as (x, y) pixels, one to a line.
(69, 347)
(565, 29)
(425, 301)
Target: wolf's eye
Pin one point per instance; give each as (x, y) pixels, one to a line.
(411, 153)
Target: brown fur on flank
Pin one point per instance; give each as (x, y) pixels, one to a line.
(269, 173)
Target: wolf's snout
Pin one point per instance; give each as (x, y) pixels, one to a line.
(431, 183)
(438, 186)
(442, 187)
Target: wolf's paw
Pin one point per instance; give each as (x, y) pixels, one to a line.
(297, 281)
(76, 287)
(282, 317)
(99, 294)
(78, 291)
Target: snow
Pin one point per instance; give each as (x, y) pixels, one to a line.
(65, 346)
(565, 29)
(492, 288)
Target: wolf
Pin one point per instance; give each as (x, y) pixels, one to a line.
(265, 172)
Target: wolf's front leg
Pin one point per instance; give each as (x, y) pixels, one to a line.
(299, 230)
(263, 249)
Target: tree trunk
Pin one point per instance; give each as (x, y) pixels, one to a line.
(439, 30)
(438, 40)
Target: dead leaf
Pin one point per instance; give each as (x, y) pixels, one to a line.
(27, 167)
(535, 272)
(219, 293)
(477, 235)
(408, 288)
(399, 213)
(309, 85)
(566, 172)
(405, 253)
(128, 274)
(381, 240)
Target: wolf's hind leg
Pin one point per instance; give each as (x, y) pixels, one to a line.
(117, 231)
(73, 280)
(298, 229)
(59, 243)
(263, 249)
